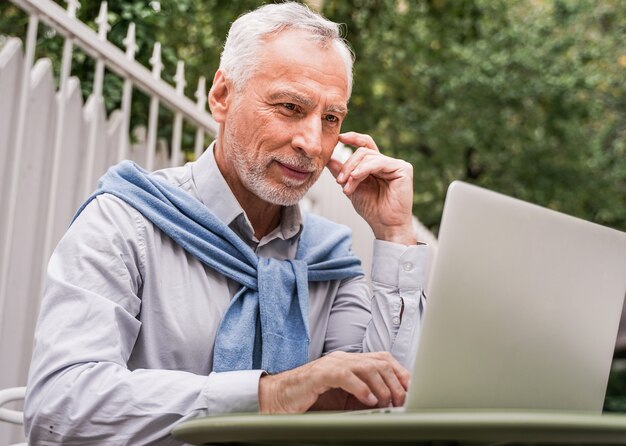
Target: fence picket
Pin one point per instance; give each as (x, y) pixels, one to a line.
(177, 133)
(153, 114)
(127, 92)
(115, 134)
(26, 241)
(137, 151)
(69, 193)
(95, 164)
(11, 65)
(161, 155)
(7, 237)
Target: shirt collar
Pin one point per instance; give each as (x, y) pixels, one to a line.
(215, 194)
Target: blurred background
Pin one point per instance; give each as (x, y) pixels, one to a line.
(526, 97)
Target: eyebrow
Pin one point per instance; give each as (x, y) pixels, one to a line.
(294, 97)
(339, 109)
(307, 102)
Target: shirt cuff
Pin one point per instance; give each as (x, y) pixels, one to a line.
(400, 266)
(236, 391)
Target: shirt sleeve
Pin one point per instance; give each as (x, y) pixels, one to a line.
(399, 275)
(80, 389)
(388, 317)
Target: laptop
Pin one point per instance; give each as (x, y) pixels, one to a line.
(523, 308)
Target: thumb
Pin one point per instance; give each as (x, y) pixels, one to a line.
(334, 166)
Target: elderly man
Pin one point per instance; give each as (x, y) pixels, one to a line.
(203, 289)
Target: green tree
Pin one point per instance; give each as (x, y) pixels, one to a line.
(523, 97)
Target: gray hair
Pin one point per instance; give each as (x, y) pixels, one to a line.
(240, 56)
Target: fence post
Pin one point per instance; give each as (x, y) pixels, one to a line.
(153, 115)
(178, 118)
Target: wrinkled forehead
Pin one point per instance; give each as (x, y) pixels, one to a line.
(304, 48)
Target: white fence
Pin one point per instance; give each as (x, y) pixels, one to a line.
(54, 147)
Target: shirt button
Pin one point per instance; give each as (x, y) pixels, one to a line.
(407, 266)
(396, 320)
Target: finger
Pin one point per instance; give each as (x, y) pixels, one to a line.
(374, 166)
(395, 386)
(374, 377)
(352, 162)
(352, 185)
(354, 385)
(367, 165)
(400, 371)
(358, 140)
(379, 166)
(337, 370)
(384, 375)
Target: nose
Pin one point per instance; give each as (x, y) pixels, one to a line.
(308, 136)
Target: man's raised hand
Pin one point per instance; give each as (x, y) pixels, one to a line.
(380, 188)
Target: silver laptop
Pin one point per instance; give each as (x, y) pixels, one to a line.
(523, 308)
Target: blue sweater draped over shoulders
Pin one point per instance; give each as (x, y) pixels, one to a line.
(266, 324)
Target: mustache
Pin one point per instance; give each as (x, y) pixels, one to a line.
(302, 162)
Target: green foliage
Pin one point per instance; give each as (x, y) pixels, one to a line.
(615, 400)
(525, 97)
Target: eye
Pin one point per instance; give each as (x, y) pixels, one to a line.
(331, 119)
(289, 106)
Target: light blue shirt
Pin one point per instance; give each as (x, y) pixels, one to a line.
(124, 342)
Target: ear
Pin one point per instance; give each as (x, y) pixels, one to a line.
(220, 97)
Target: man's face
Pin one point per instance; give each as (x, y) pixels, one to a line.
(280, 130)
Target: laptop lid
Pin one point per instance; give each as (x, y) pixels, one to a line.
(523, 308)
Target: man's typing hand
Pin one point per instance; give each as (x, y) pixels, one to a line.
(337, 381)
(380, 188)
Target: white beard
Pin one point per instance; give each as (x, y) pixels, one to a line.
(253, 174)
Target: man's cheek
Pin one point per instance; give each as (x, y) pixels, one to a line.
(329, 147)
